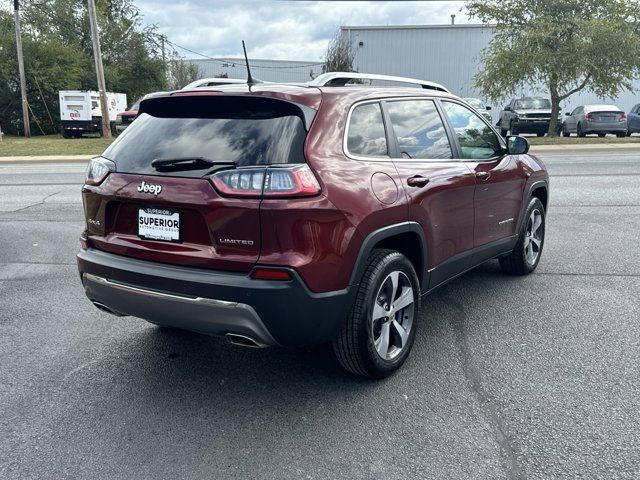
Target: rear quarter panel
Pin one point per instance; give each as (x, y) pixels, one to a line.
(349, 209)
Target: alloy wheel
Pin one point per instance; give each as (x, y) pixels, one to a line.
(392, 315)
(533, 237)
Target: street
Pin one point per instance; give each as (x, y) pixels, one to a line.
(510, 377)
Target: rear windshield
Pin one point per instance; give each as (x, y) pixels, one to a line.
(602, 109)
(246, 131)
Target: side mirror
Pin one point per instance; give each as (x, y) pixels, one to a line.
(507, 108)
(567, 114)
(488, 107)
(517, 145)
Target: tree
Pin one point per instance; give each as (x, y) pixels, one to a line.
(182, 72)
(564, 46)
(339, 56)
(58, 56)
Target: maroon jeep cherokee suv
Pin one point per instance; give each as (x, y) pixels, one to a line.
(301, 214)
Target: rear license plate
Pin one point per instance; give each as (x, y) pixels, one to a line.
(159, 224)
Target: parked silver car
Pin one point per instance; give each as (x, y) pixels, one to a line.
(600, 119)
(480, 106)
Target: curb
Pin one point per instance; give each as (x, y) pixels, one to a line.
(47, 159)
(576, 148)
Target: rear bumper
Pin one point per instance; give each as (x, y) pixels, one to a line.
(213, 302)
(604, 127)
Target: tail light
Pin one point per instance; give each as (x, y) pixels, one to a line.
(623, 116)
(84, 242)
(588, 116)
(97, 170)
(267, 182)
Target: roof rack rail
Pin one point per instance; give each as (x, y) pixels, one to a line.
(339, 79)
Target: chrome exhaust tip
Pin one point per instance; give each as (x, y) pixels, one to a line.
(104, 308)
(243, 341)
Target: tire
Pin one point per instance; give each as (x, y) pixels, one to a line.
(360, 346)
(581, 134)
(540, 134)
(602, 135)
(621, 135)
(66, 133)
(565, 132)
(629, 132)
(521, 261)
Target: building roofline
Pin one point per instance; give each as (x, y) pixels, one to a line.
(252, 60)
(416, 27)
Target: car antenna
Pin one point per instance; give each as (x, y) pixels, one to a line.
(250, 80)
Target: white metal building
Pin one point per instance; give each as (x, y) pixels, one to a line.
(447, 54)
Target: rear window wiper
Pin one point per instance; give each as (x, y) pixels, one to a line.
(186, 163)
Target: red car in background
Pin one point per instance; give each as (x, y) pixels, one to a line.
(124, 119)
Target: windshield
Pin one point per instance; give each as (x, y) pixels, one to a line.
(533, 104)
(245, 135)
(135, 106)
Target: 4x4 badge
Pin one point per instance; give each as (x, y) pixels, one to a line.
(149, 188)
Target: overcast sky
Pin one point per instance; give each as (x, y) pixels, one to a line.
(285, 30)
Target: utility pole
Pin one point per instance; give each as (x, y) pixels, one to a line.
(23, 82)
(164, 59)
(97, 56)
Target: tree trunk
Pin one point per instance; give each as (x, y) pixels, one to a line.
(555, 110)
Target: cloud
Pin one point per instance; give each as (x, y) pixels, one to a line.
(284, 30)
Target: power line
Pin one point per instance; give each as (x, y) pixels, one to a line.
(74, 28)
(251, 64)
(71, 26)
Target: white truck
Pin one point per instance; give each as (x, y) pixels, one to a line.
(80, 111)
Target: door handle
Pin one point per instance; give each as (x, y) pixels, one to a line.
(483, 175)
(417, 181)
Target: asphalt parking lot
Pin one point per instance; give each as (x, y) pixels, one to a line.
(535, 377)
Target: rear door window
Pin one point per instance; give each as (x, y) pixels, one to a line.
(366, 134)
(243, 130)
(419, 129)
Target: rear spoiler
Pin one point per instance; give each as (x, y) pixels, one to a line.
(218, 104)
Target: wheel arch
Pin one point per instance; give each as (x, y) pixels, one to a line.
(538, 189)
(541, 192)
(407, 238)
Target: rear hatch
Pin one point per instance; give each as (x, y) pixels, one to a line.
(188, 176)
